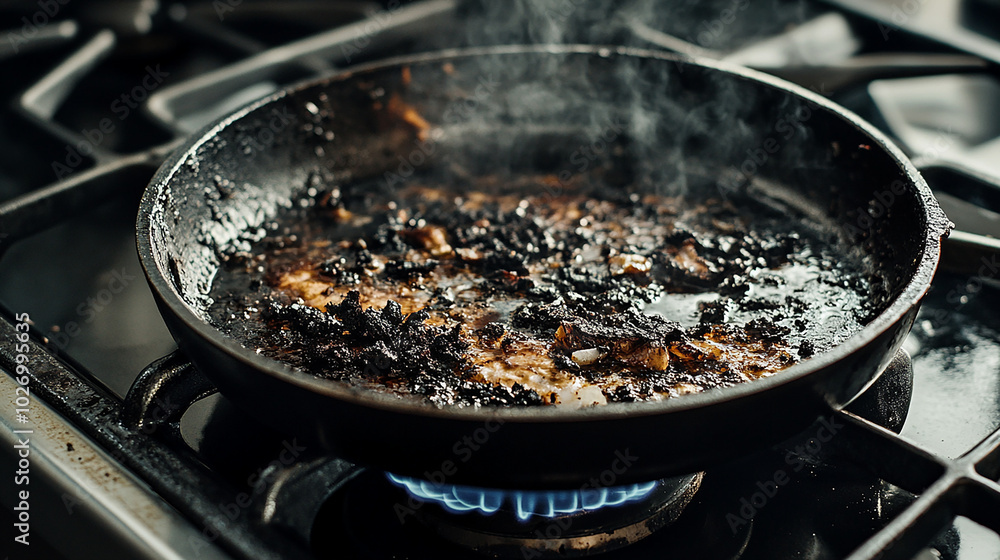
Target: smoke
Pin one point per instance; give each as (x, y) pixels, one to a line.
(661, 125)
(542, 22)
(718, 26)
(714, 25)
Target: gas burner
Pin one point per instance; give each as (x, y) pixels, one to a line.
(126, 475)
(539, 523)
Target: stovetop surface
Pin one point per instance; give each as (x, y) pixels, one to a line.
(81, 282)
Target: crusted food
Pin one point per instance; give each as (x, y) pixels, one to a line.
(630, 338)
(500, 292)
(629, 264)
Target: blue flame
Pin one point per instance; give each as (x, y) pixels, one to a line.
(525, 503)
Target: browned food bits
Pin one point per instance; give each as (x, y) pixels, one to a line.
(497, 293)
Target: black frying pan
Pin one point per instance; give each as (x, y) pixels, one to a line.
(689, 124)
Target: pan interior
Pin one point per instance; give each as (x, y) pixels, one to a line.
(663, 128)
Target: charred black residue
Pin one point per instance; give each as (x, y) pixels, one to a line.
(495, 293)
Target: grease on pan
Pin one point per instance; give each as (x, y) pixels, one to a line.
(492, 292)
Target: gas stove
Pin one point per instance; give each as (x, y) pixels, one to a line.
(117, 449)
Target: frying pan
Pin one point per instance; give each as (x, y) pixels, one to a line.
(685, 125)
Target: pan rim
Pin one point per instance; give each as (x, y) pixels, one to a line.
(937, 227)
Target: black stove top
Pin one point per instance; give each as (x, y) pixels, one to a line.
(98, 95)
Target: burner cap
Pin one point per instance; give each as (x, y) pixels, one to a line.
(537, 524)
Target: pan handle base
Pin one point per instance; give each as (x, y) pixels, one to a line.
(162, 392)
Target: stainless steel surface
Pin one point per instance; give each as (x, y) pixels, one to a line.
(171, 104)
(108, 491)
(78, 493)
(949, 22)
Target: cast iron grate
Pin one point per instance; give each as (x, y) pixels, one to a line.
(140, 433)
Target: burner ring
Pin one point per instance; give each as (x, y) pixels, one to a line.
(586, 532)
